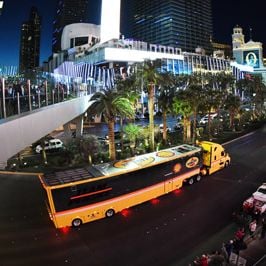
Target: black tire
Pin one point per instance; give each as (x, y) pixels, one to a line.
(198, 178)
(76, 222)
(109, 213)
(191, 181)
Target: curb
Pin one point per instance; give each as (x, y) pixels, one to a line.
(246, 135)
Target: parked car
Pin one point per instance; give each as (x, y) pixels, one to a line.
(117, 135)
(168, 129)
(50, 145)
(178, 126)
(38, 142)
(204, 119)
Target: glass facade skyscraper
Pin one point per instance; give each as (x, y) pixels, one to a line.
(73, 11)
(29, 56)
(180, 23)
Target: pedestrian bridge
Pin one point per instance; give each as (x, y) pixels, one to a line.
(20, 131)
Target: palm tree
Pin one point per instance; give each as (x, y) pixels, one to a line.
(132, 132)
(150, 77)
(259, 90)
(128, 88)
(232, 104)
(194, 96)
(89, 146)
(215, 88)
(165, 98)
(111, 104)
(181, 106)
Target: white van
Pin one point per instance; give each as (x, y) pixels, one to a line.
(52, 144)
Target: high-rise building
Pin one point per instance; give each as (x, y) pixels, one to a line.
(73, 11)
(1, 6)
(180, 23)
(29, 57)
(110, 20)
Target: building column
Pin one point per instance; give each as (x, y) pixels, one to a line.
(3, 98)
(79, 126)
(67, 130)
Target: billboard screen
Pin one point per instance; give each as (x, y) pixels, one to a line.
(251, 58)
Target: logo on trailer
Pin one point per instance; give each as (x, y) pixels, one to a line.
(122, 163)
(192, 162)
(145, 161)
(165, 154)
(177, 168)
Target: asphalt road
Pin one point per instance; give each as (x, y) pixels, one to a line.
(166, 232)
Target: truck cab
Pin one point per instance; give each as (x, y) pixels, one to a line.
(214, 157)
(260, 193)
(257, 201)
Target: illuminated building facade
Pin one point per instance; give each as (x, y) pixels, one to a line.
(246, 53)
(29, 56)
(177, 23)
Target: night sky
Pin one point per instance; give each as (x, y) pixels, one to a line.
(226, 15)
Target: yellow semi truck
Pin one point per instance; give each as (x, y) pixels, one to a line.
(214, 157)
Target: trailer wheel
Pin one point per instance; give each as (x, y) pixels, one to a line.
(76, 222)
(191, 181)
(198, 178)
(109, 213)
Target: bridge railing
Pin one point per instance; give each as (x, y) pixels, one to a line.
(17, 98)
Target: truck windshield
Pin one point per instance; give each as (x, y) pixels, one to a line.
(262, 190)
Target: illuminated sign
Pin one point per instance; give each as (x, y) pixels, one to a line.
(130, 55)
(251, 58)
(110, 20)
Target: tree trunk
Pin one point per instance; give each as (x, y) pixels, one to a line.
(44, 156)
(89, 159)
(194, 126)
(184, 130)
(164, 128)
(209, 124)
(151, 118)
(121, 132)
(232, 116)
(188, 131)
(111, 126)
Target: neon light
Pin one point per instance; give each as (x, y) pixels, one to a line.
(118, 54)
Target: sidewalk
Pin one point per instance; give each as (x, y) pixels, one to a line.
(255, 254)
